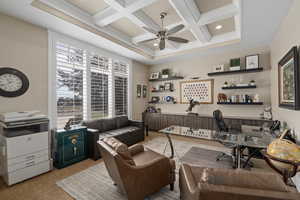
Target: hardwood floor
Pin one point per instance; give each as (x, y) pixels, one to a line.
(44, 187)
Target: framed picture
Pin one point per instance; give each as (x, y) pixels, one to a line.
(138, 91)
(198, 90)
(288, 80)
(169, 86)
(252, 61)
(144, 91)
(154, 75)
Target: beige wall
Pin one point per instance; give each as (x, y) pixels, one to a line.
(287, 36)
(200, 66)
(140, 76)
(25, 47)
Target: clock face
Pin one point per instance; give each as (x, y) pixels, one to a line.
(13, 82)
(10, 82)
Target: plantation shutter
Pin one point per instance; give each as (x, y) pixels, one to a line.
(100, 84)
(70, 83)
(121, 88)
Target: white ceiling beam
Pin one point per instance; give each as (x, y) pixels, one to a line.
(118, 9)
(237, 18)
(190, 14)
(70, 13)
(137, 16)
(218, 14)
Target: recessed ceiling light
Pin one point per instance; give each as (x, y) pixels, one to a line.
(218, 27)
(155, 44)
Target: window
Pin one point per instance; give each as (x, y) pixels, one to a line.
(88, 85)
(70, 72)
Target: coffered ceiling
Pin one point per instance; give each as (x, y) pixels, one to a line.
(123, 20)
(116, 25)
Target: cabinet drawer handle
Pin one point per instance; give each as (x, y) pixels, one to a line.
(30, 164)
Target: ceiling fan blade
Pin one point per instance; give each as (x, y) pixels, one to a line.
(150, 30)
(162, 44)
(178, 39)
(145, 41)
(175, 29)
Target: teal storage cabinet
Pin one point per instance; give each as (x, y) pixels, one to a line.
(70, 146)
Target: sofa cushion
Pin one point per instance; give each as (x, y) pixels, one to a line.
(243, 179)
(122, 121)
(93, 124)
(108, 124)
(120, 148)
(121, 131)
(146, 157)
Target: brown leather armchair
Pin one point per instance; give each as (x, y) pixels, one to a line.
(136, 171)
(197, 183)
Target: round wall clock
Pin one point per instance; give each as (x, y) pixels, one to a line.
(13, 83)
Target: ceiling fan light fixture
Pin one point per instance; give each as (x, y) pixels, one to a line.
(164, 34)
(218, 27)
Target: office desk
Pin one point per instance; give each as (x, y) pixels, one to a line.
(240, 140)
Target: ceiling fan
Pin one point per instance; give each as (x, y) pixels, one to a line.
(165, 34)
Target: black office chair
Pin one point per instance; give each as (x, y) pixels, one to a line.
(222, 127)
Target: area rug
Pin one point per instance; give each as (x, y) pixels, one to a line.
(94, 183)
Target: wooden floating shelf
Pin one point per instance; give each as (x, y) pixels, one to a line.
(167, 79)
(239, 87)
(240, 103)
(235, 72)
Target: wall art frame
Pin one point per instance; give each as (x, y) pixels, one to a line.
(138, 91)
(144, 91)
(252, 61)
(289, 80)
(198, 90)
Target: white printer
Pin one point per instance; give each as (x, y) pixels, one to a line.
(24, 146)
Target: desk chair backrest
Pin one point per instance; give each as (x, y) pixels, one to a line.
(219, 121)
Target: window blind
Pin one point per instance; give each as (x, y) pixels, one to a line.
(121, 88)
(70, 83)
(100, 84)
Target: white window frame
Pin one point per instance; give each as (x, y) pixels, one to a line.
(53, 38)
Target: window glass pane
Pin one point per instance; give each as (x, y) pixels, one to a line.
(121, 95)
(100, 84)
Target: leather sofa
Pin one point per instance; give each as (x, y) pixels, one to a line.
(127, 131)
(137, 172)
(197, 183)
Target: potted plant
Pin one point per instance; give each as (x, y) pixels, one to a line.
(225, 84)
(252, 83)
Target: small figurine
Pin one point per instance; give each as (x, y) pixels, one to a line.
(256, 98)
(222, 97)
(267, 114)
(225, 84)
(192, 105)
(69, 124)
(252, 83)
